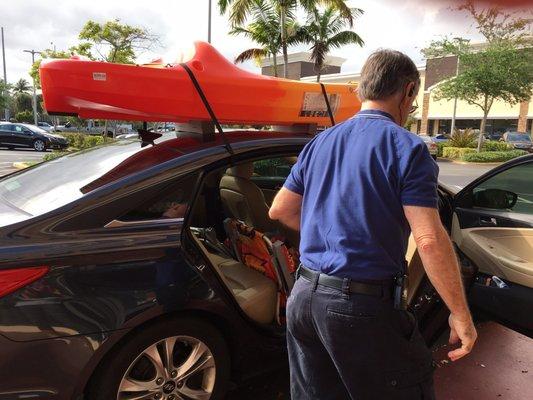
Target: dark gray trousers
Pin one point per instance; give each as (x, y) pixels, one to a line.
(352, 346)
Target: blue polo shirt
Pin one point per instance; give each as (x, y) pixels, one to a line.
(354, 179)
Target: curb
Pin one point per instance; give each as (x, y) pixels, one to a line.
(474, 163)
(20, 165)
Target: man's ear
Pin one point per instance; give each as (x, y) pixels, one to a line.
(411, 89)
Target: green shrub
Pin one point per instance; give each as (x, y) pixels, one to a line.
(53, 155)
(456, 153)
(463, 138)
(493, 156)
(441, 146)
(82, 141)
(493, 145)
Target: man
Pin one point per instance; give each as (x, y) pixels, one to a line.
(356, 193)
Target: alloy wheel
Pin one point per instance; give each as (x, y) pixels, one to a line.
(38, 145)
(175, 368)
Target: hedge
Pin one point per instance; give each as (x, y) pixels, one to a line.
(493, 145)
(493, 156)
(53, 155)
(456, 153)
(82, 141)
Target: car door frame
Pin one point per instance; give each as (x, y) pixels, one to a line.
(486, 298)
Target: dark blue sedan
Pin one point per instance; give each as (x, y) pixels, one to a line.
(116, 281)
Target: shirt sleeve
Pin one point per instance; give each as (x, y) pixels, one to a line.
(419, 177)
(294, 181)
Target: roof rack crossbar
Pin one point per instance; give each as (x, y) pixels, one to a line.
(207, 106)
(326, 98)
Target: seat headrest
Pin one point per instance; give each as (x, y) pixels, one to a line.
(241, 171)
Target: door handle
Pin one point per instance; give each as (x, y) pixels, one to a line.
(486, 221)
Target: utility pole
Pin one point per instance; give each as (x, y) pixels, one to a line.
(6, 110)
(209, 24)
(34, 102)
(454, 101)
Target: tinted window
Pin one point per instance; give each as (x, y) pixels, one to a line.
(172, 203)
(516, 180)
(8, 128)
(279, 167)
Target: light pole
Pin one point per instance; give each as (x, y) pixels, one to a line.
(6, 111)
(209, 24)
(454, 101)
(34, 102)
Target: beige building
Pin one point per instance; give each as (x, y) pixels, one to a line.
(432, 117)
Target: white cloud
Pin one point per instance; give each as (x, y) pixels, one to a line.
(33, 24)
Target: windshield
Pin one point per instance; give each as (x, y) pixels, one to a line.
(518, 137)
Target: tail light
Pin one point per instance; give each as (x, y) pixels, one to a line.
(14, 279)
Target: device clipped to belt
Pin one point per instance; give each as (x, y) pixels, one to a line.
(401, 286)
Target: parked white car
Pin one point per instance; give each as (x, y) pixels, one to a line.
(432, 146)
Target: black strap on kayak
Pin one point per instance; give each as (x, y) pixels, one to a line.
(326, 98)
(207, 106)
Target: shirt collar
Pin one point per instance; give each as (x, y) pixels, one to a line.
(373, 114)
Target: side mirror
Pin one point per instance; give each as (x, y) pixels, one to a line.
(494, 198)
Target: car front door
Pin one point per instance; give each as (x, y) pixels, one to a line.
(493, 228)
(21, 136)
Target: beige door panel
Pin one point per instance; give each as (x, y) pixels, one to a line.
(415, 269)
(505, 252)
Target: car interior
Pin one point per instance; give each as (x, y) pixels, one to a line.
(491, 230)
(245, 192)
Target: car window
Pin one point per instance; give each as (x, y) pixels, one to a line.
(279, 167)
(172, 203)
(19, 129)
(515, 180)
(6, 127)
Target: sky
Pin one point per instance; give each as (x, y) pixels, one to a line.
(405, 25)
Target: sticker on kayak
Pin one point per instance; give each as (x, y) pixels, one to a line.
(314, 105)
(99, 76)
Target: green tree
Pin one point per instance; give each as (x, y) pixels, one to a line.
(24, 116)
(22, 102)
(264, 30)
(4, 96)
(116, 42)
(21, 87)
(324, 31)
(240, 10)
(500, 70)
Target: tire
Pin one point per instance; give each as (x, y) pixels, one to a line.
(39, 145)
(130, 360)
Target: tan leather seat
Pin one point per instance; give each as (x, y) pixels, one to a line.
(243, 199)
(256, 294)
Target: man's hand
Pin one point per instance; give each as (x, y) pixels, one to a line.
(461, 330)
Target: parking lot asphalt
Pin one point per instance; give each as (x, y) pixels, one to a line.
(8, 157)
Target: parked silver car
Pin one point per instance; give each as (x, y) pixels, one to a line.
(432, 146)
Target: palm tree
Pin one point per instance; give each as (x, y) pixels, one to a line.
(265, 32)
(241, 9)
(4, 95)
(21, 87)
(323, 31)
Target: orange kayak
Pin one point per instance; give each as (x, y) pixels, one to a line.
(159, 92)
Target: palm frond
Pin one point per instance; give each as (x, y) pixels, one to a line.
(345, 37)
(251, 54)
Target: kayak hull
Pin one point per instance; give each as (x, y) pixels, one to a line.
(99, 90)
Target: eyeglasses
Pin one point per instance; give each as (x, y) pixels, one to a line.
(414, 107)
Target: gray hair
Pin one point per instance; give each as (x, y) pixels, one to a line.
(385, 73)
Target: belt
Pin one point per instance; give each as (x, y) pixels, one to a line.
(344, 284)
